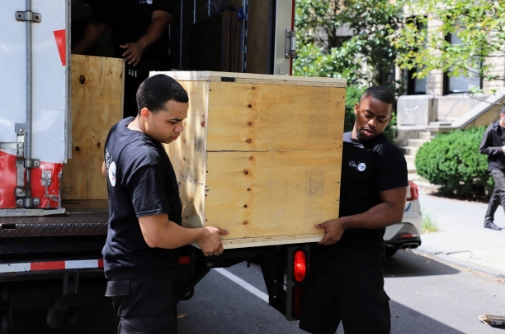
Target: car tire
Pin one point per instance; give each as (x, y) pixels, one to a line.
(390, 251)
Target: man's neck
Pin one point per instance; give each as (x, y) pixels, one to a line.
(135, 125)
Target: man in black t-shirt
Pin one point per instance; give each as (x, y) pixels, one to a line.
(345, 282)
(144, 233)
(139, 35)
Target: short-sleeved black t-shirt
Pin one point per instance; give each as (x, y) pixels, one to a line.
(140, 182)
(129, 20)
(367, 169)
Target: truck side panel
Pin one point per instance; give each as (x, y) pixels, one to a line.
(46, 131)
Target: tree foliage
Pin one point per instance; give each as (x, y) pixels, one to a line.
(478, 24)
(347, 39)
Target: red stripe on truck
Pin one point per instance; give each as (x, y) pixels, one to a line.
(55, 265)
(61, 43)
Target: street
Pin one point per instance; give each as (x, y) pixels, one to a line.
(426, 297)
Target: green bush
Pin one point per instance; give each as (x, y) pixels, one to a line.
(352, 95)
(454, 162)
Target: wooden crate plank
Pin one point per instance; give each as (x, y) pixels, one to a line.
(188, 154)
(260, 117)
(251, 78)
(97, 103)
(269, 194)
(270, 241)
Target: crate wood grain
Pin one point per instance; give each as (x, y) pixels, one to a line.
(96, 105)
(260, 155)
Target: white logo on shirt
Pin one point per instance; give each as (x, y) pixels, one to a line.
(112, 173)
(361, 166)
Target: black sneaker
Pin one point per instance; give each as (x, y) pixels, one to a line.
(492, 226)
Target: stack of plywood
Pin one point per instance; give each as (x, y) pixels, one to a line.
(260, 155)
(97, 104)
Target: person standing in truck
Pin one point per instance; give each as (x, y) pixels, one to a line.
(345, 283)
(493, 144)
(139, 30)
(144, 231)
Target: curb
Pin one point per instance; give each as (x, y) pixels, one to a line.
(453, 262)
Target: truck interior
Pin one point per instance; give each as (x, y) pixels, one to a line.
(214, 35)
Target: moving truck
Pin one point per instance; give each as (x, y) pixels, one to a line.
(260, 155)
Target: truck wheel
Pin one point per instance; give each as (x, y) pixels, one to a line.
(5, 323)
(4, 298)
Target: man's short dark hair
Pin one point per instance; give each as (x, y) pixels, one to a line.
(380, 93)
(157, 90)
(503, 110)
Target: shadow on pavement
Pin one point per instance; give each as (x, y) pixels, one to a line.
(408, 264)
(406, 320)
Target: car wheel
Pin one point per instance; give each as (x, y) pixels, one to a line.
(390, 251)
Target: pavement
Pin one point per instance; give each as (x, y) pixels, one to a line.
(461, 239)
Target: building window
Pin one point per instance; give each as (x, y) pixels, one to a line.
(416, 85)
(460, 84)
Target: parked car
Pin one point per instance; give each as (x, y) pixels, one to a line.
(407, 234)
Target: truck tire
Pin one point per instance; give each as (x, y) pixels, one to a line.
(4, 298)
(5, 328)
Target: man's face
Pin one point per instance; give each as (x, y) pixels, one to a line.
(502, 120)
(166, 125)
(372, 118)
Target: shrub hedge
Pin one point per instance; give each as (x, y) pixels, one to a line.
(453, 161)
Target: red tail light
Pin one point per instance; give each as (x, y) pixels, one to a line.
(299, 266)
(414, 192)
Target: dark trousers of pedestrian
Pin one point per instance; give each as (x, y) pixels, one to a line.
(346, 287)
(498, 195)
(144, 303)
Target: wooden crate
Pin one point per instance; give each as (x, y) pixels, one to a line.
(260, 155)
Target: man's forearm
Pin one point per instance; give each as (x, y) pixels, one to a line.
(155, 30)
(379, 216)
(92, 33)
(168, 234)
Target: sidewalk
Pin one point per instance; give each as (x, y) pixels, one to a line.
(461, 239)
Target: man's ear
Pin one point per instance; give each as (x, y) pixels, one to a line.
(144, 112)
(356, 108)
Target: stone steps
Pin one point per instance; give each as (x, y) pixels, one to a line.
(413, 145)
